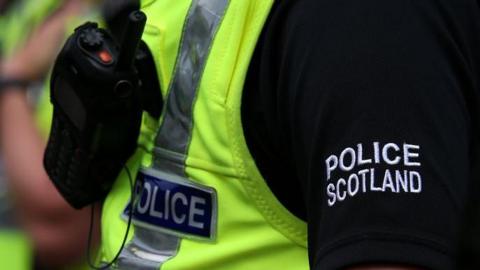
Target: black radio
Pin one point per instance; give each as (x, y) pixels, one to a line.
(96, 92)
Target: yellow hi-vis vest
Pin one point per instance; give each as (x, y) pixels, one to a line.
(202, 50)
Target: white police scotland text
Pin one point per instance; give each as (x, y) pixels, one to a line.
(390, 167)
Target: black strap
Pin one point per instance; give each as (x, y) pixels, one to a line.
(12, 83)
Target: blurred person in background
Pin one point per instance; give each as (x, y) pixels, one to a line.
(33, 34)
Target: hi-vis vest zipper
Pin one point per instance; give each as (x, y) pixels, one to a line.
(202, 203)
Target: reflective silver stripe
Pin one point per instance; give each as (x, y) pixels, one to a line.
(149, 249)
(175, 131)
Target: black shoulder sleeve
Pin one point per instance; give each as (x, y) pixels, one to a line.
(374, 103)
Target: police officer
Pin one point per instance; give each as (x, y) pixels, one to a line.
(349, 125)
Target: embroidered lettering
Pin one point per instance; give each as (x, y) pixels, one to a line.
(398, 173)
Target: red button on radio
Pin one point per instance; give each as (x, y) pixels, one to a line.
(105, 56)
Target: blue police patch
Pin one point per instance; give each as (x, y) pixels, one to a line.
(174, 205)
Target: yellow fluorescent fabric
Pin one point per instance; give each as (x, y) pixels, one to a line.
(15, 251)
(254, 230)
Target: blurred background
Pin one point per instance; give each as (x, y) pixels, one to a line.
(38, 229)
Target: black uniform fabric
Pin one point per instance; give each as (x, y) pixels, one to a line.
(363, 118)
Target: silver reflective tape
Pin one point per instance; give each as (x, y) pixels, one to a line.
(149, 249)
(175, 132)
